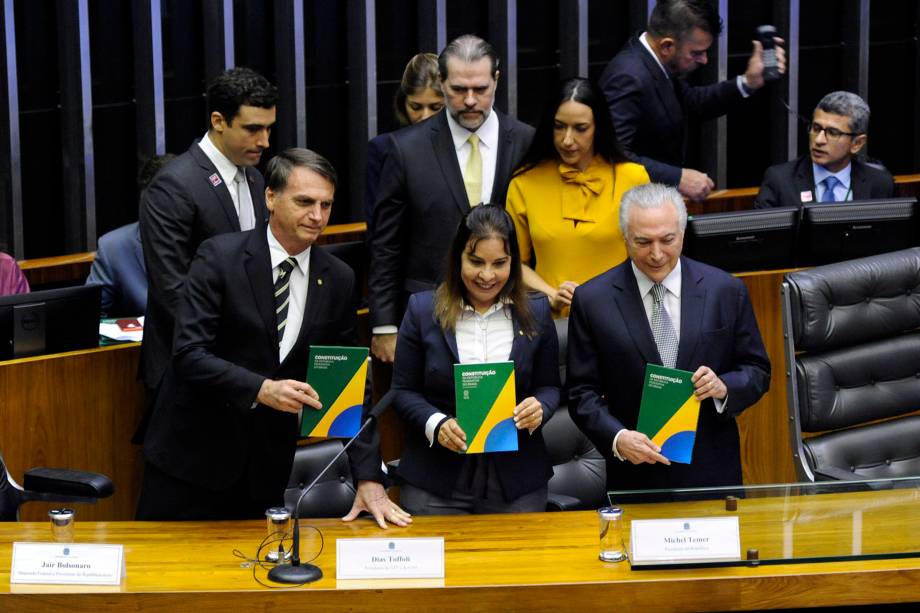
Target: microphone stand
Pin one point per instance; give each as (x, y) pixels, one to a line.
(298, 573)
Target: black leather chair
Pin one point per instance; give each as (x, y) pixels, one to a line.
(579, 471)
(333, 494)
(853, 367)
(50, 485)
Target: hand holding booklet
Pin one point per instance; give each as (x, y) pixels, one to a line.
(338, 374)
(485, 397)
(669, 411)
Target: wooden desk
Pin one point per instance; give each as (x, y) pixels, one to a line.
(75, 410)
(536, 562)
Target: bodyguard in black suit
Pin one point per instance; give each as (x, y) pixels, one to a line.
(225, 423)
(426, 186)
(614, 331)
(649, 97)
(837, 133)
(196, 197)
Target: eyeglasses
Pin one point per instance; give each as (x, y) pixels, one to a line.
(831, 133)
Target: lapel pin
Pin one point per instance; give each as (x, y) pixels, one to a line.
(806, 196)
(215, 179)
(319, 281)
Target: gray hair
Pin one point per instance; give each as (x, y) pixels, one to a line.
(468, 49)
(279, 168)
(847, 104)
(651, 196)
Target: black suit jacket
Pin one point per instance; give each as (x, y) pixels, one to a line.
(610, 342)
(423, 377)
(784, 184)
(203, 429)
(181, 208)
(650, 111)
(420, 201)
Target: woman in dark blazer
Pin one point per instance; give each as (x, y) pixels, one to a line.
(480, 313)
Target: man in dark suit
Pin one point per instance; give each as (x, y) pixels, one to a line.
(211, 189)
(119, 263)
(651, 101)
(831, 172)
(435, 171)
(222, 436)
(661, 308)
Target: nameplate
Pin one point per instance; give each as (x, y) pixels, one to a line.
(708, 539)
(70, 563)
(405, 558)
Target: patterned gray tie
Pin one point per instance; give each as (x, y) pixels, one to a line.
(282, 294)
(663, 328)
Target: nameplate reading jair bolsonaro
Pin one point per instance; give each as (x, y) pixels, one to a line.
(338, 375)
(669, 411)
(485, 406)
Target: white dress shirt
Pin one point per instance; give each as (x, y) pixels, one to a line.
(481, 338)
(227, 171)
(297, 291)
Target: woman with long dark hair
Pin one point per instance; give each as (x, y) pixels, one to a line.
(481, 313)
(565, 195)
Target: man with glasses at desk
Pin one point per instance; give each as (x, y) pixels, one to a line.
(831, 172)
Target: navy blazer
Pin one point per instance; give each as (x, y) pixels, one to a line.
(650, 110)
(377, 149)
(610, 342)
(420, 201)
(119, 268)
(185, 204)
(423, 377)
(204, 429)
(784, 184)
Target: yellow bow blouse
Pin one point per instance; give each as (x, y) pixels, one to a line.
(567, 221)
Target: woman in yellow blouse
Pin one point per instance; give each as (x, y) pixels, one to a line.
(565, 195)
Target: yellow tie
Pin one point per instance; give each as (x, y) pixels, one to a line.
(472, 177)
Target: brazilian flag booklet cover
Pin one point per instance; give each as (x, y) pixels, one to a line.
(485, 406)
(669, 411)
(338, 375)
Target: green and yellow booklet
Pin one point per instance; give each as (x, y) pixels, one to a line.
(338, 375)
(669, 411)
(485, 406)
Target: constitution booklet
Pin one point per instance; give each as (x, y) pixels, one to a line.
(338, 375)
(669, 411)
(485, 398)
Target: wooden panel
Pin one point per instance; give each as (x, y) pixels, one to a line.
(766, 452)
(75, 410)
(534, 562)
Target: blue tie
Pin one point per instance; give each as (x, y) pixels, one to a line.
(829, 184)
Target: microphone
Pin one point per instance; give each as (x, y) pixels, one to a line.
(298, 573)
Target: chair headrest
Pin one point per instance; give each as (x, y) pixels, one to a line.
(855, 301)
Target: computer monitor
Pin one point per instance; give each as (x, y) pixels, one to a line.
(833, 232)
(49, 321)
(738, 241)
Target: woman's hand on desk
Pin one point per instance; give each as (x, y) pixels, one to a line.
(451, 436)
(528, 415)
